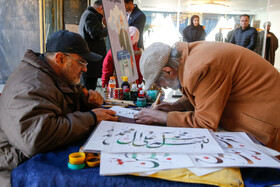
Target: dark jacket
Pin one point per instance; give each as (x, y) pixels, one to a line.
(38, 113)
(194, 33)
(247, 38)
(138, 19)
(91, 29)
(229, 36)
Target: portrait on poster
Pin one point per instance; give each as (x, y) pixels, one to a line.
(120, 41)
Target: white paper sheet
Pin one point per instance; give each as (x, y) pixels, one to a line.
(141, 162)
(203, 171)
(197, 171)
(268, 150)
(100, 138)
(124, 112)
(172, 148)
(146, 138)
(240, 152)
(126, 137)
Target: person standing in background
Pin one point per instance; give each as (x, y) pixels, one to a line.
(245, 36)
(194, 32)
(219, 36)
(230, 33)
(92, 30)
(271, 44)
(136, 18)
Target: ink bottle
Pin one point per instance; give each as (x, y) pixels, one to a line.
(139, 89)
(125, 84)
(141, 99)
(105, 93)
(126, 94)
(134, 92)
(112, 86)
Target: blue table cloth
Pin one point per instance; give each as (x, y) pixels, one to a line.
(50, 169)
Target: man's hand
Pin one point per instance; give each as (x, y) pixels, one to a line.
(105, 114)
(93, 97)
(168, 107)
(151, 116)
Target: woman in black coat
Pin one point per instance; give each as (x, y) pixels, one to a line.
(194, 32)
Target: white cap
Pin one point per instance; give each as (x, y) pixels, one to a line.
(152, 61)
(134, 34)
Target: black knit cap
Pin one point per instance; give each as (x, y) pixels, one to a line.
(70, 42)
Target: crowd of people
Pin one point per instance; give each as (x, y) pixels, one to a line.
(224, 86)
(242, 34)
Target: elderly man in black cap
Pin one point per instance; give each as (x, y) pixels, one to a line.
(43, 106)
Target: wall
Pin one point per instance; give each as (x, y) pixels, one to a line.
(73, 10)
(19, 30)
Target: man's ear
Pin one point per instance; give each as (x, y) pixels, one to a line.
(169, 72)
(59, 58)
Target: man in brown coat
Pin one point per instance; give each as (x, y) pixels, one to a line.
(223, 85)
(271, 44)
(43, 106)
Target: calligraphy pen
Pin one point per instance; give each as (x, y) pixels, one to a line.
(157, 100)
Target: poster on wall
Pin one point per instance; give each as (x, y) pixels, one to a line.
(121, 46)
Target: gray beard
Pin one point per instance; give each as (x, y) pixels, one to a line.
(173, 83)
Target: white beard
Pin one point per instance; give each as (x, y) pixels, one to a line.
(172, 83)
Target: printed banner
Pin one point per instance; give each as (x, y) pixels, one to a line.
(120, 41)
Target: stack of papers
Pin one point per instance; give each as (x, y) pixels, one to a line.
(133, 148)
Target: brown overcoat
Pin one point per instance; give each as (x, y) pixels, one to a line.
(230, 87)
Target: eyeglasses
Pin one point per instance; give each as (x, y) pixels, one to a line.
(81, 62)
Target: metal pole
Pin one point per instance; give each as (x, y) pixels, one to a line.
(265, 32)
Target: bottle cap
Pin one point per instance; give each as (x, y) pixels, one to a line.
(124, 78)
(112, 77)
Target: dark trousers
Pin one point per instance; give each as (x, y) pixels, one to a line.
(90, 83)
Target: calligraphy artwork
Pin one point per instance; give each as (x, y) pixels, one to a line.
(120, 111)
(235, 140)
(240, 152)
(120, 40)
(100, 138)
(141, 162)
(143, 138)
(134, 148)
(117, 137)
